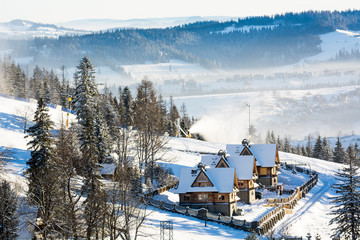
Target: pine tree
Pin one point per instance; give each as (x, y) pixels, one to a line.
(327, 153)
(173, 118)
(287, 147)
(272, 138)
(303, 151)
(41, 150)
(103, 138)
(298, 150)
(8, 217)
(339, 153)
(347, 203)
(42, 174)
(318, 148)
(279, 143)
(85, 101)
(308, 147)
(127, 106)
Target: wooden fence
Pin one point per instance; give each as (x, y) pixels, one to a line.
(281, 204)
(262, 226)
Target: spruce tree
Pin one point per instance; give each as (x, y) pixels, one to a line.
(272, 138)
(347, 203)
(8, 216)
(85, 101)
(41, 150)
(339, 152)
(303, 151)
(280, 144)
(287, 147)
(318, 148)
(127, 107)
(327, 153)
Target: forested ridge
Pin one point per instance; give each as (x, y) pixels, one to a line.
(249, 42)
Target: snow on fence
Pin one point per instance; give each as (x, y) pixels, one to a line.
(262, 226)
(269, 220)
(202, 213)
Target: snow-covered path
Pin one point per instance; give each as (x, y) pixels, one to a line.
(314, 196)
(311, 214)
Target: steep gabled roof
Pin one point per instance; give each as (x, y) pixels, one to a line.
(210, 160)
(265, 154)
(245, 166)
(221, 178)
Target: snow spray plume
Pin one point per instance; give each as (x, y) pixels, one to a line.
(227, 125)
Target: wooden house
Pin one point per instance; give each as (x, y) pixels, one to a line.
(211, 188)
(246, 172)
(266, 157)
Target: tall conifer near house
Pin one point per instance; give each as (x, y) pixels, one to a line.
(42, 175)
(347, 203)
(85, 101)
(41, 147)
(8, 217)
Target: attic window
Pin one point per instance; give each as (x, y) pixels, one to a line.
(246, 151)
(221, 197)
(193, 171)
(202, 181)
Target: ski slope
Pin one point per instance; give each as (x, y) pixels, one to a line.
(311, 213)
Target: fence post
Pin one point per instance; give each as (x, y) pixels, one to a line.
(187, 211)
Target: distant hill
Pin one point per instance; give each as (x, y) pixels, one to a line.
(104, 24)
(22, 29)
(253, 42)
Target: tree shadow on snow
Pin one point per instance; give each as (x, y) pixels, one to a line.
(12, 122)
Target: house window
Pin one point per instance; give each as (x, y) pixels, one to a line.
(186, 198)
(202, 197)
(221, 197)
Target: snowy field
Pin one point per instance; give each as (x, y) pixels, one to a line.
(310, 215)
(293, 113)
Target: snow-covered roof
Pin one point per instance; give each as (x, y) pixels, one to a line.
(221, 178)
(244, 166)
(210, 160)
(107, 168)
(265, 154)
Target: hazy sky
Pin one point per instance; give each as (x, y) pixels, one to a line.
(54, 11)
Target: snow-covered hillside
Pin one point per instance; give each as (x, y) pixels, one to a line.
(310, 215)
(22, 29)
(334, 42)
